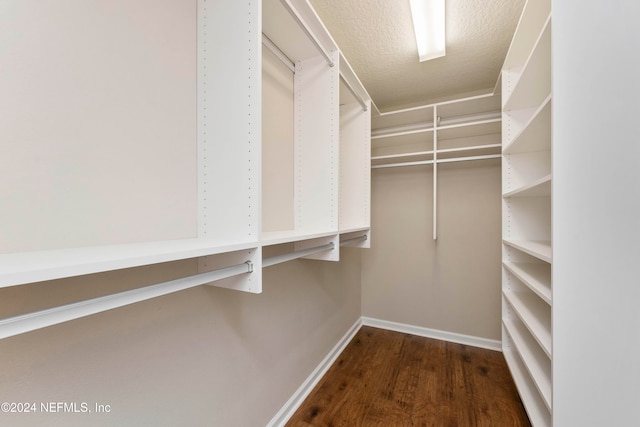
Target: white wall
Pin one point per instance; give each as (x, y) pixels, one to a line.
(97, 122)
(596, 211)
(452, 284)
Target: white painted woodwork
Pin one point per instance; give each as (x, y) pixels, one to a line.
(596, 206)
(527, 182)
(186, 120)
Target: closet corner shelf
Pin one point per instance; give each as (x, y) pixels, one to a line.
(537, 363)
(539, 188)
(537, 276)
(534, 314)
(540, 249)
(535, 134)
(29, 267)
(535, 76)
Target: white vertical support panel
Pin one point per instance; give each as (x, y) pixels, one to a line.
(435, 172)
(355, 163)
(230, 128)
(316, 138)
(229, 119)
(596, 207)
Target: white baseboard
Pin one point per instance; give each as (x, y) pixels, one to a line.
(303, 391)
(292, 405)
(434, 333)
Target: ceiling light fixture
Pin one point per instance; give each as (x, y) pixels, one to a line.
(428, 25)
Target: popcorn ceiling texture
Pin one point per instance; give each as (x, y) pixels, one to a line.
(377, 38)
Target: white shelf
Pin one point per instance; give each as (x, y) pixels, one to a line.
(280, 24)
(29, 267)
(354, 229)
(532, 20)
(472, 106)
(534, 314)
(540, 249)
(286, 236)
(537, 276)
(402, 131)
(535, 134)
(537, 363)
(538, 188)
(535, 407)
(527, 224)
(468, 129)
(400, 156)
(402, 118)
(534, 81)
(473, 150)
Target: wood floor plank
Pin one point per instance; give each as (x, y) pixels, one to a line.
(390, 379)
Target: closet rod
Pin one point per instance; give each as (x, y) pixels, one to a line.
(353, 240)
(40, 319)
(268, 262)
(278, 53)
(465, 159)
(353, 91)
(309, 34)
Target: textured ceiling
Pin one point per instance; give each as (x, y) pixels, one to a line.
(376, 37)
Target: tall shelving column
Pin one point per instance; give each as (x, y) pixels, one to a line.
(527, 230)
(229, 133)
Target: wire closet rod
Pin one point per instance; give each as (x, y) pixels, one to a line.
(430, 162)
(309, 34)
(40, 319)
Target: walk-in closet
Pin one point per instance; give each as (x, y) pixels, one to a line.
(282, 212)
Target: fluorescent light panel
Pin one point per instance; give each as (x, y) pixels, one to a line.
(428, 24)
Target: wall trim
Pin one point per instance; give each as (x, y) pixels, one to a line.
(434, 333)
(312, 380)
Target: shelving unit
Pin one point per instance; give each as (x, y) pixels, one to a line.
(221, 109)
(355, 154)
(412, 134)
(536, 362)
(329, 142)
(527, 231)
(438, 133)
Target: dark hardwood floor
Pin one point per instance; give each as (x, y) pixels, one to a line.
(390, 379)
